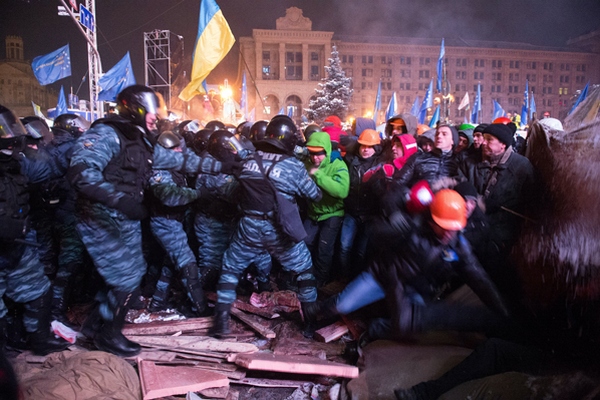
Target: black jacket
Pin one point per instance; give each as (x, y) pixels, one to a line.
(427, 166)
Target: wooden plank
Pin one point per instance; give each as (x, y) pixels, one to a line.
(158, 381)
(162, 356)
(295, 365)
(203, 343)
(254, 323)
(240, 305)
(233, 395)
(272, 383)
(168, 327)
(355, 331)
(331, 332)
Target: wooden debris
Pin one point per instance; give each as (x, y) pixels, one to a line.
(291, 346)
(294, 365)
(273, 383)
(215, 393)
(158, 381)
(168, 327)
(354, 329)
(161, 356)
(233, 395)
(254, 323)
(331, 332)
(240, 305)
(203, 343)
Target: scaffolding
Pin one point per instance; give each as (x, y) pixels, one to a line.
(163, 52)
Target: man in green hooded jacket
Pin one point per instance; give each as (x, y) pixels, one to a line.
(325, 217)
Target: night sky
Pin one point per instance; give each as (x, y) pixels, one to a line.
(121, 24)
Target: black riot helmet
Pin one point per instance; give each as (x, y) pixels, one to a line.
(72, 123)
(257, 132)
(10, 126)
(215, 125)
(201, 140)
(310, 129)
(169, 140)
(243, 129)
(281, 133)
(224, 146)
(135, 101)
(187, 130)
(37, 128)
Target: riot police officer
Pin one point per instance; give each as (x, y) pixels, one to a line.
(110, 168)
(258, 230)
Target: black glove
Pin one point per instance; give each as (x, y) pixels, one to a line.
(131, 208)
(232, 167)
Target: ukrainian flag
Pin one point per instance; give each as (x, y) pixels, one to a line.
(212, 44)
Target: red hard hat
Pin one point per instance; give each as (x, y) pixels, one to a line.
(419, 198)
(502, 120)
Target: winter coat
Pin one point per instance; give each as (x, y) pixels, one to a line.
(360, 202)
(427, 166)
(507, 186)
(332, 178)
(423, 265)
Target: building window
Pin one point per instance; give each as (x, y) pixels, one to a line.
(496, 88)
(515, 64)
(424, 60)
(293, 57)
(579, 79)
(405, 73)
(513, 89)
(496, 63)
(496, 76)
(513, 76)
(423, 73)
(564, 79)
(480, 63)
(423, 86)
(387, 85)
(563, 90)
(367, 72)
(366, 85)
(348, 59)
(461, 62)
(408, 99)
(348, 72)
(478, 75)
(405, 86)
(266, 56)
(386, 59)
(405, 60)
(266, 70)
(367, 59)
(531, 65)
(530, 77)
(547, 90)
(386, 73)
(461, 74)
(314, 72)
(293, 72)
(548, 66)
(314, 56)
(581, 67)
(532, 89)
(548, 78)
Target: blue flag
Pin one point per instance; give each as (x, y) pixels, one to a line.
(427, 103)
(244, 99)
(440, 67)
(414, 110)
(525, 106)
(532, 108)
(61, 107)
(581, 97)
(53, 66)
(476, 106)
(377, 103)
(498, 110)
(73, 101)
(290, 112)
(391, 108)
(281, 111)
(435, 117)
(116, 79)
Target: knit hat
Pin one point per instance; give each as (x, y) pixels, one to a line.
(502, 132)
(479, 128)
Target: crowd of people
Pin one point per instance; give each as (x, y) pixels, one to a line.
(133, 206)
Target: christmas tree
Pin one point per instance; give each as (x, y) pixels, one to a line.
(333, 93)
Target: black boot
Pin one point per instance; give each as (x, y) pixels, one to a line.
(92, 324)
(161, 294)
(309, 311)
(110, 338)
(42, 340)
(220, 326)
(194, 289)
(61, 292)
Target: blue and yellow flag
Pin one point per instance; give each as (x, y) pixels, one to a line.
(52, 66)
(212, 44)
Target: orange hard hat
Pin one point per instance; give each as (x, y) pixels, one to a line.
(502, 120)
(369, 137)
(422, 128)
(448, 210)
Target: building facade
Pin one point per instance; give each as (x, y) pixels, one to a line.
(18, 85)
(287, 63)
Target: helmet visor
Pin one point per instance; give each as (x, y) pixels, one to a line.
(37, 129)
(192, 126)
(10, 126)
(149, 101)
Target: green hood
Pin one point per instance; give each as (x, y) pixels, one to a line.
(321, 139)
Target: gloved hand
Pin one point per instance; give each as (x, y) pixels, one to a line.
(131, 208)
(232, 167)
